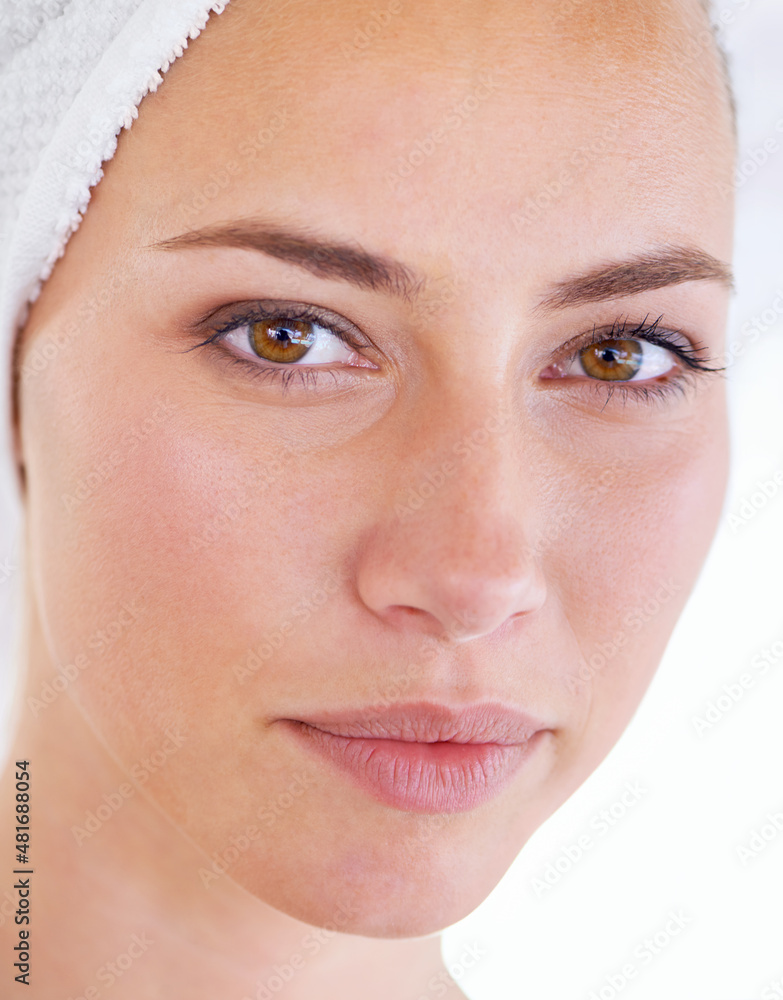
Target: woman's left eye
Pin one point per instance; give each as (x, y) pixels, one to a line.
(620, 360)
(642, 361)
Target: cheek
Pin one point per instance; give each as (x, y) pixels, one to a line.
(625, 564)
(210, 542)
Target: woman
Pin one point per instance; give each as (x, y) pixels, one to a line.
(376, 385)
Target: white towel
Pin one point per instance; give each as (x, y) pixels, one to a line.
(72, 73)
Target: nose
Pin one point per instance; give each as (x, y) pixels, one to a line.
(450, 554)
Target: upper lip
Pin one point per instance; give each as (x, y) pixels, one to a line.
(427, 722)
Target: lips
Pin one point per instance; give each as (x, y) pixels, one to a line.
(426, 722)
(424, 757)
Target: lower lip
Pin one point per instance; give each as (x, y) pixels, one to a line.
(421, 777)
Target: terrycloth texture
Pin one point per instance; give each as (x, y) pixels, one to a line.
(72, 73)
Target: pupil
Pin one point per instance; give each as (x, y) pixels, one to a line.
(610, 355)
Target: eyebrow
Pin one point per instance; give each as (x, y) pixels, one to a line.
(323, 257)
(664, 265)
(667, 264)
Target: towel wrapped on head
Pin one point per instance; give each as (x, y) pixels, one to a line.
(72, 74)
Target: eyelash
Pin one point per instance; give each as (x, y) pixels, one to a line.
(696, 363)
(268, 371)
(692, 358)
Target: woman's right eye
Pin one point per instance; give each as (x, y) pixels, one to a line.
(268, 338)
(292, 341)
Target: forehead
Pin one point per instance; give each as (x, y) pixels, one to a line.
(525, 123)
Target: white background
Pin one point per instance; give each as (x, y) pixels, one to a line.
(706, 794)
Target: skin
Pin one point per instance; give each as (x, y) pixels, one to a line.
(228, 502)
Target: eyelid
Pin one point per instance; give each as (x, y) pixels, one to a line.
(257, 310)
(683, 347)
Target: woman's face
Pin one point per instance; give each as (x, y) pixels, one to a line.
(449, 497)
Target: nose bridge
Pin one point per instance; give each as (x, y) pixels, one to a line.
(453, 540)
(466, 458)
(472, 493)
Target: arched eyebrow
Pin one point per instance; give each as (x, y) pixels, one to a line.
(324, 258)
(663, 265)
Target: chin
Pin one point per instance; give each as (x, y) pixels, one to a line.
(383, 891)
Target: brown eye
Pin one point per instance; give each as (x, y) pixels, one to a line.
(282, 340)
(612, 360)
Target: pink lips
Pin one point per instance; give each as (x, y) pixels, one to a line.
(424, 757)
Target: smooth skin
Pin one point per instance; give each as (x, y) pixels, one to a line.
(454, 511)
